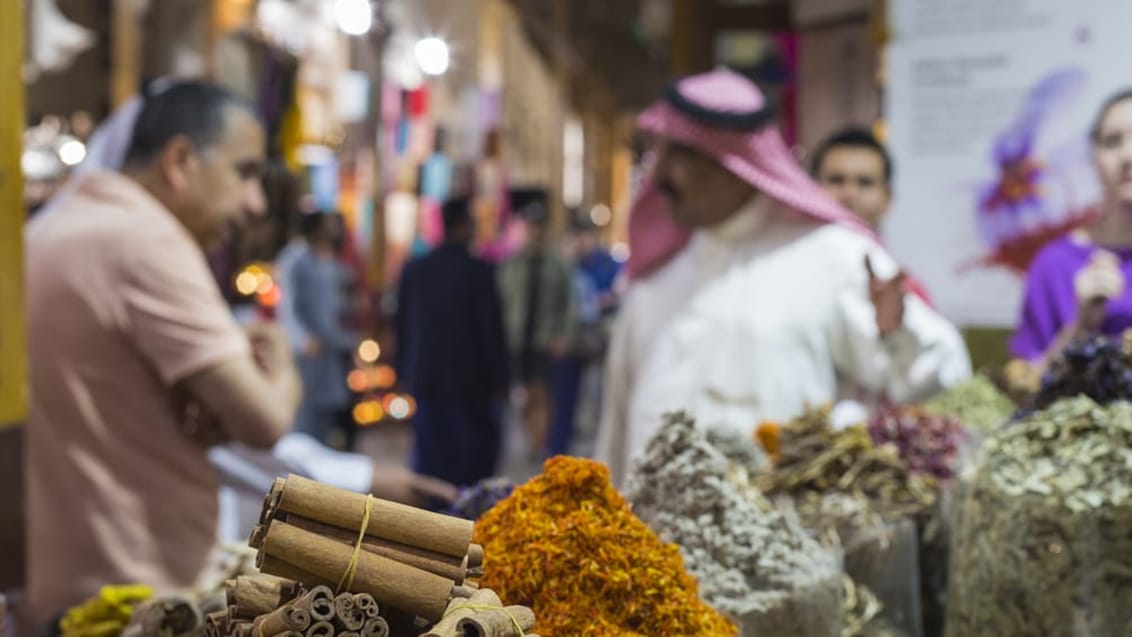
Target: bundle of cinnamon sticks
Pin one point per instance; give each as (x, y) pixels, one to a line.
(268, 606)
(405, 558)
(483, 615)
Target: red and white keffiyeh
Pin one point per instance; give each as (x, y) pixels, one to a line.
(725, 116)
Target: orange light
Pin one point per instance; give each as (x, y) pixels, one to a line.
(264, 284)
(368, 412)
(360, 413)
(357, 381)
(385, 377)
(269, 298)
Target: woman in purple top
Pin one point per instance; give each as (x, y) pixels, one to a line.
(1077, 284)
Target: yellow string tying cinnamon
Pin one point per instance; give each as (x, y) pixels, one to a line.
(347, 580)
(510, 615)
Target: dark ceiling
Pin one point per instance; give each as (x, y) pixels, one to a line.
(603, 43)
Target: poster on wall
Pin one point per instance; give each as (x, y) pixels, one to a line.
(990, 106)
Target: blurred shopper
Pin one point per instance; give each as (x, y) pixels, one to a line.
(596, 262)
(1079, 284)
(755, 292)
(285, 261)
(538, 296)
(127, 333)
(452, 356)
(594, 273)
(317, 293)
(856, 170)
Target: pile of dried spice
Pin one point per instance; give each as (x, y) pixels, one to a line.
(840, 481)
(1043, 544)
(1098, 367)
(929, 444)
(815, 458)
(753, 562)
(472, 502)
(743, 453)
(976, 402)
(567, 545)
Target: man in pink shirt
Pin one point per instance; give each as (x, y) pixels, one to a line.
(127, 331)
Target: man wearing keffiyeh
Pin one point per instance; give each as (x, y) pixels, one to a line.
(754, 293)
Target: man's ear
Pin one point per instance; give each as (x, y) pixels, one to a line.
(177, 162)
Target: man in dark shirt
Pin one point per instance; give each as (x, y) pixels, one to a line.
(452, 355)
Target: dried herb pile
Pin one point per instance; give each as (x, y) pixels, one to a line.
(567, 545)
(840, 481)
(472, 502)
(1098, 367)
(929, 444)
(752, 562)
(105, 615)
(740, 450)
(816, 459)
(976, 402)
(1043, 545)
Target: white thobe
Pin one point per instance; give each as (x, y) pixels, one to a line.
(758, 319)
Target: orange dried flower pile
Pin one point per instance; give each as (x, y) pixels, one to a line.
(567, 545)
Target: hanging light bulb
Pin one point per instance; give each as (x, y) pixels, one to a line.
(354, 17)
(431, 55)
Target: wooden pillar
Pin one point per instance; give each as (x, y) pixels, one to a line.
(126, 52)
(561, 56)
(13, 345)
(13, 342)
(691, 36)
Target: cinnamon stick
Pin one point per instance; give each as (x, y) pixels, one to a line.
(255, 540)
(388, 581)
(282, 568)
(367, 604)
(290, 633)
(320, 629)
(511, 621)
(349, 634)
(318, 602)
(376, 627)
(271, 500)
(172, 616)
(357, 617)
(388, 520)
(475, 556)
(283, 619)
(242, 629)
(463, 592)
(219, 621)
(350, 617)
(453, 568)
(255, 595)
(459, 609)
(343, 603)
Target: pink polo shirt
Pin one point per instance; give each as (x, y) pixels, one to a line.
(121, 307)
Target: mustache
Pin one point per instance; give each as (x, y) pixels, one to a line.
(669, 190)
